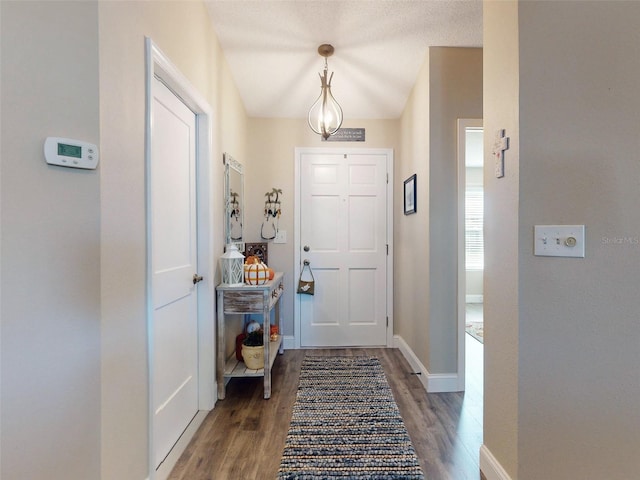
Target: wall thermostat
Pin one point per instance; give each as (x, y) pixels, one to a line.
(70, 153)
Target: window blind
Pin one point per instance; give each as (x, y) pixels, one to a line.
(474, 221)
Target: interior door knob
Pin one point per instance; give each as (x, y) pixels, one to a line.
(306, 248)
(197, 278)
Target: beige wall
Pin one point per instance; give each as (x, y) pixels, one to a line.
(270, 163)
(50, 254)
(578, 326)
(449, 87)
(411, 232)
(455, 92)
(501, 98)
(561, 351)
(182, 31)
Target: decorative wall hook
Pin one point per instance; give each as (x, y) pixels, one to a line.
(272, 212)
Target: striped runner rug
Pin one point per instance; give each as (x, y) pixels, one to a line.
(346, 424)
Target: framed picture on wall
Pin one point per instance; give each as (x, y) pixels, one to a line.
(410, 195)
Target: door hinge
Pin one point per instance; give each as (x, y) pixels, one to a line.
(387, 322)
(387, 249)
(387, 179)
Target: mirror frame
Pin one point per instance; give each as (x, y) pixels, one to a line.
(233, 166)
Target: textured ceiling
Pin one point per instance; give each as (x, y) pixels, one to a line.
(271, 48)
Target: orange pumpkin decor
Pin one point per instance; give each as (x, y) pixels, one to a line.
(256, 273)
(271, 272)
(251, 259)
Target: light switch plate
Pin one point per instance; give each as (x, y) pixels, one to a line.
(559, 241)
(281, 237)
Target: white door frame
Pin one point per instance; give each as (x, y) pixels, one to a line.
(463, 124)
(158, 65)
(299, 152)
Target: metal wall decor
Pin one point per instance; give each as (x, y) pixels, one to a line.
(260, 250)
(272, 212)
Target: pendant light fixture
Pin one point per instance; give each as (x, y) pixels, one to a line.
(325, 116)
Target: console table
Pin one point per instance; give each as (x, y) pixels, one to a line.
(249, 299)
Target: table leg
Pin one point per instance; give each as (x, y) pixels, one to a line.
(220, 353)
(266, 329)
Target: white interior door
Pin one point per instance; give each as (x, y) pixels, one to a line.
(343, 234)
(174, 262)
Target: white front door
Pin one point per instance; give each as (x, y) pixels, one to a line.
(343, 235)
(173, 252)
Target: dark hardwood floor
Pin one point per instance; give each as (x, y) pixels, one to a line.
(243, 437)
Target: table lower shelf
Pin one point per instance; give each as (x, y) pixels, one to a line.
(234, 368)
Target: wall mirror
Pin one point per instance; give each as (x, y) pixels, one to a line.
(234, 201)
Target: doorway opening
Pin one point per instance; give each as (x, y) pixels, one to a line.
(470, 254)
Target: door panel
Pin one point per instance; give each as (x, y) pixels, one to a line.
(343, 222)
(174, 261)
(327, 298)
(324, 210)
(362, 283)
(362, 228)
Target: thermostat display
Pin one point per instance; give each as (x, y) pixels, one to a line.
(70, 153)
(69, 150)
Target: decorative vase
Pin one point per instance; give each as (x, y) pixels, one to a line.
(253, 357)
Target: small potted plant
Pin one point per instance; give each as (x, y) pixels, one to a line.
(253, 350)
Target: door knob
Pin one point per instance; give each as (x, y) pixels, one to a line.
(197, 278)
(306, 248)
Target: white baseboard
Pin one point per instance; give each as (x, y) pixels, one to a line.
(490, 467)
(474, 298)
(432, 382)
(417, 366)
(442, 382)
(289, 342)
